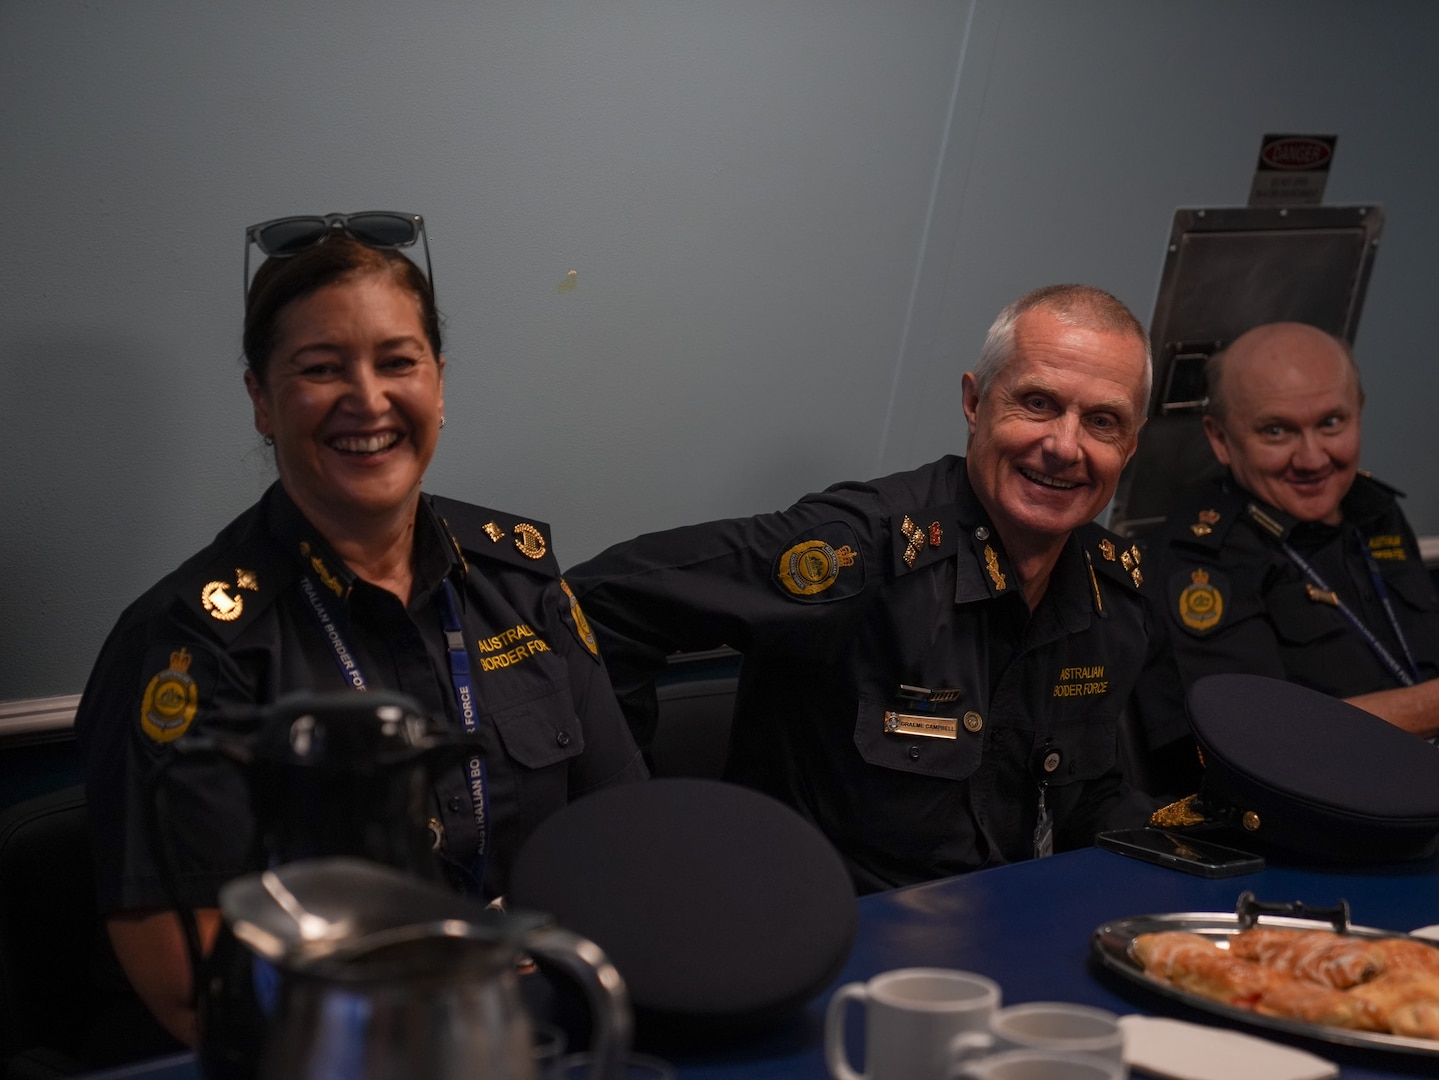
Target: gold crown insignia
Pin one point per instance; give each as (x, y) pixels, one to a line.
(180, 661)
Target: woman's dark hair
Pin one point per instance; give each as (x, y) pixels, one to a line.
(282, 281)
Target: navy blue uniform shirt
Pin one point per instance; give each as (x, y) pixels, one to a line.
(896, 689)
(231, 628)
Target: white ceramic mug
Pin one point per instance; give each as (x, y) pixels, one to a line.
(1040, 1065)
(918, 1021)
(1059, 1027)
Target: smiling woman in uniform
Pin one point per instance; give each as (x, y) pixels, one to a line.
(344, 574)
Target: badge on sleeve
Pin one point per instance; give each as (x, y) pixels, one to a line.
(1199, 599)
(171, 698)
(823, 563)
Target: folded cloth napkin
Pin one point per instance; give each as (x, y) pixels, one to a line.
(1178, 1050)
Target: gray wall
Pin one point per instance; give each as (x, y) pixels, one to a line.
(791, 223)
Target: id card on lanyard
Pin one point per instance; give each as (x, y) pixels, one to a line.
(459, 678)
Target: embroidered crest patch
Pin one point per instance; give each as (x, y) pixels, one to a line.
(1199, 606)
(824, 560)
(171, 698)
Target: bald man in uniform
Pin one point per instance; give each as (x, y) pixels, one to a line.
(1290, 561)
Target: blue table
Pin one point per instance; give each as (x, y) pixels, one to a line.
(1027, 926)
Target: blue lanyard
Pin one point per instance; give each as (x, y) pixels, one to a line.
(1406, 678)
(464, 697)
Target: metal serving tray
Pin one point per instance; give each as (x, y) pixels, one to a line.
(1112, 946)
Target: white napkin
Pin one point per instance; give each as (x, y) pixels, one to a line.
(1178, 1050)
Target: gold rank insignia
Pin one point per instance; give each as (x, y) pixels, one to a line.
(219, 603)
(812, 567)
(582, 624)
(916, 540)
(1094, 581)
(493, 531)
(1264, 521)
(245, 579)
(1201, 605)
(1106, 548)
(171, 698)
(936, 534)
(529, 540)
(329, 580)
(991, 563)
(455, 545)
(1205, 525)
(1130, 561)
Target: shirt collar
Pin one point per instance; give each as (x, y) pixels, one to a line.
(435, 557)
(983, 569)
(1361, 506)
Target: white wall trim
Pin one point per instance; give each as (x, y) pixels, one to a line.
(31, 715)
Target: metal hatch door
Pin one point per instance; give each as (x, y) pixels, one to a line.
(1226, 271)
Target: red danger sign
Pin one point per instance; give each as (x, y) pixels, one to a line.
(1292, 170)
(1296, 152)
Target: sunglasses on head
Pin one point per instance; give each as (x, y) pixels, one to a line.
(382, 229)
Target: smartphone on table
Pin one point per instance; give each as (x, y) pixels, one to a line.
(1178, 852)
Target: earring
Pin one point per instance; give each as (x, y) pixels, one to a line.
(269, 440)
(442, 419)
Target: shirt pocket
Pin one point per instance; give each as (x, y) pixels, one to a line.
(540, 731)
(926, 755)
(1084, 752)
(1413, 589)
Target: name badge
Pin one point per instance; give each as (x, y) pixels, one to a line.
(929, 727)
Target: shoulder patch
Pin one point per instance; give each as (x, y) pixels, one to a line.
(1390, 488)
(578, 624)
(491, 534)
(1197, 599)
(181, 676)
(822, 563)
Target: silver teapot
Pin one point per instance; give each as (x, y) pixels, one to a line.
(380, 975)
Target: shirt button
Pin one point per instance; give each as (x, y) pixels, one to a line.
(1051, 761)
(914, 753)
(973, 721)
(455, 803)
(563, 738)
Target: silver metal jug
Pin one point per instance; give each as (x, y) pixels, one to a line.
(382, 975)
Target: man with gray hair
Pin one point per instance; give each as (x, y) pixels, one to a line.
(1289, 561)
(935, 662)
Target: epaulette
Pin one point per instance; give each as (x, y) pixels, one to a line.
(1203, 524)
(491, 534)
(918, 539)
(231, 590)
(1381, 484)
(1112, 556)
